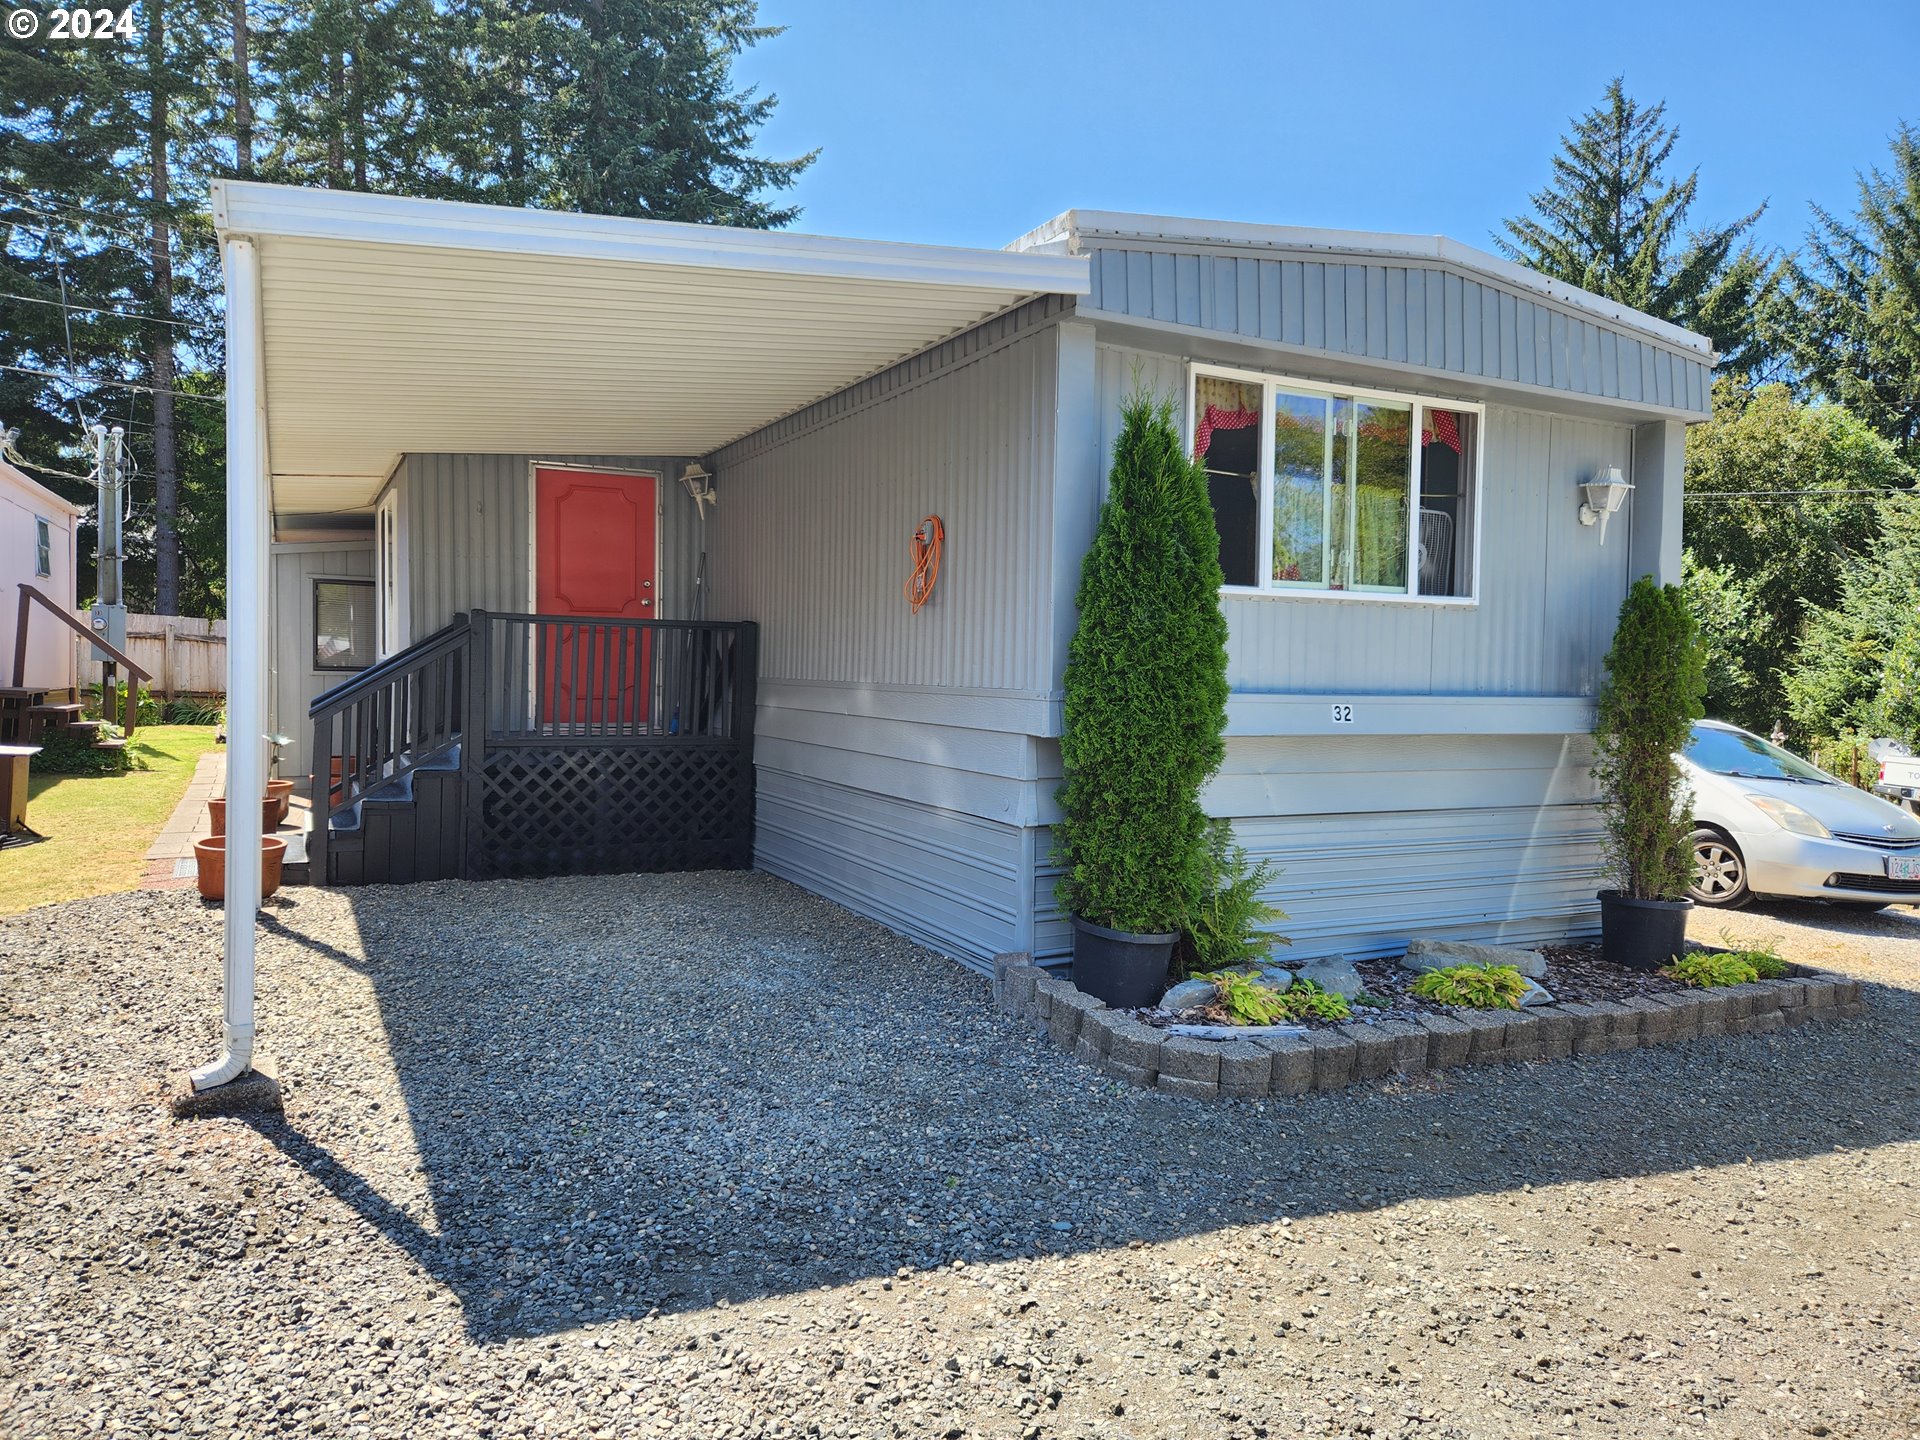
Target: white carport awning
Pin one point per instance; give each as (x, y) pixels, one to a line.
(391, 325)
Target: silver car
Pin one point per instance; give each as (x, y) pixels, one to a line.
(1769, 824)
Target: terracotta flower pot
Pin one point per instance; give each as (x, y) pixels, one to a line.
(211, 857)
(336, 772)
(281, 791)
(271, 811)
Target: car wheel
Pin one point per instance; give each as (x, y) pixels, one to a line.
(1719, 872)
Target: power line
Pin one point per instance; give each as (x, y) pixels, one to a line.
(141, 251)
(13, 457)
(118, 384)
(1884, 494)
(109, 310)
(47, 209)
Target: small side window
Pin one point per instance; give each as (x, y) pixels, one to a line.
(343, 630)
(42, 547)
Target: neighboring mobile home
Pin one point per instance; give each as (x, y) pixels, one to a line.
(463, 416)
(37, 538)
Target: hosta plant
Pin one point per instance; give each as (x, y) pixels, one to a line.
(1245, 1000)
(1305, 1000)
(1477, 987)
(1710, 969)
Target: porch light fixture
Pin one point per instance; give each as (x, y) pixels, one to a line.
(699, 486)
(1604, 495)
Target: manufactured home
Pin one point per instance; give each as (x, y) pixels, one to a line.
(38, 536)
(581, 543)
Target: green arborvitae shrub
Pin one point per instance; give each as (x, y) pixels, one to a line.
(1145, 689)
(1649, 700)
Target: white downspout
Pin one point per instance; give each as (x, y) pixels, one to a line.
(246, 652)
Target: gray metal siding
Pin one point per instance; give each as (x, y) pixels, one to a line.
(1426, 316)
(954, 882)
(894, 753)
(1549, 591)
(810, 537)
(295, 682)
(468, 520)
(1379, 839)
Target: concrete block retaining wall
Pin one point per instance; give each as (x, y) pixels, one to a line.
(1327, 1059)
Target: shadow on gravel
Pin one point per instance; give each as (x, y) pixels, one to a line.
(664, 1092)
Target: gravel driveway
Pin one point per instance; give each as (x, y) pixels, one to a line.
(705, 1156)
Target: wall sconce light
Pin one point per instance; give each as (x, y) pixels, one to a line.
(699, 486)
(1604, 495)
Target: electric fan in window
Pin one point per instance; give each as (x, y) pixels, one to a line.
(1436, 552)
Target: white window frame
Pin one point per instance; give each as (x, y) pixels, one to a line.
(338, 672)
(1270, 589)
(42, 548)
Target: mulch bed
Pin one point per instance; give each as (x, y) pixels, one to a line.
(1575, 975)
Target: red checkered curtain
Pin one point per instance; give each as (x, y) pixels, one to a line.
(1442, 428)
(1221, 405)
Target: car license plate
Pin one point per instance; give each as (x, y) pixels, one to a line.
(1903, 867)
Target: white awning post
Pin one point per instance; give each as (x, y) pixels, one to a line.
(247, 552)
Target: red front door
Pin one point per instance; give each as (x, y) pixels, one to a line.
(594, 539)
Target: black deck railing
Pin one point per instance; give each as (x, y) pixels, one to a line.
(551, 677)
(386, 721)
(585, 743)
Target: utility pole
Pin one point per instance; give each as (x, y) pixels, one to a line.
(109, 616)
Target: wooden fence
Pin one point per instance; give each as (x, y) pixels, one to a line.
(185, 656)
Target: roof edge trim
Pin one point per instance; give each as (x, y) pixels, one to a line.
(1077, 225)
(261, 210)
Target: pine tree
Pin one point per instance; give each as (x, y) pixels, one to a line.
(358, 89)
(1613, 221)
(1854, 322)
(651, 124)
(104, 150)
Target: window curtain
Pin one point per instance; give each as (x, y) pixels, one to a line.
(1221, 405)
(1380, 537)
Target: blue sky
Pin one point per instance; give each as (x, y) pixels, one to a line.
(969, 123)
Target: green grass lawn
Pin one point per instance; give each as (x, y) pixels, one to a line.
(98, 827)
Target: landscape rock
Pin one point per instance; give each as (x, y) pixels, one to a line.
(1440, 954)
(1335, 973)
(1536, 994)
(1188, 994)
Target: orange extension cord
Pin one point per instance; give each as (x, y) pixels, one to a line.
(929, 537)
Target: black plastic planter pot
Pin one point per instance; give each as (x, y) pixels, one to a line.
(1641, 934)
(1122, 969)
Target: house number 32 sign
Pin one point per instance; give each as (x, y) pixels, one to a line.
(1342, 713)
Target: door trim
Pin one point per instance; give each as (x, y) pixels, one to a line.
(534, 467)
(389, 504)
